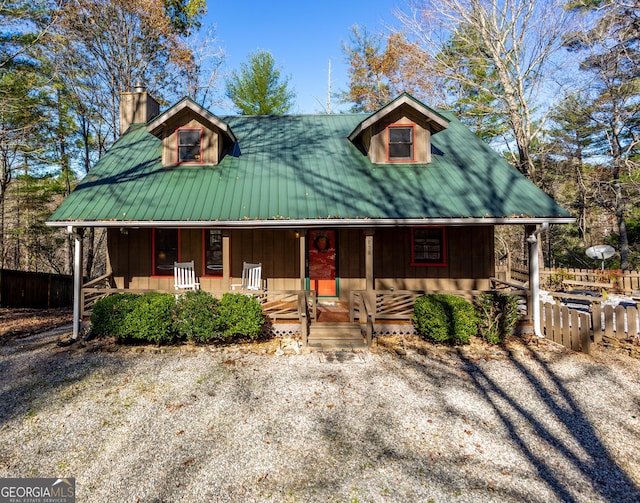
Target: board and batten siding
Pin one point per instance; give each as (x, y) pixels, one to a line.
(403, 116)
(469, 265)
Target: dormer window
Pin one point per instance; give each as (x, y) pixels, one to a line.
(189, 145)
(399, 132)
(400, 143)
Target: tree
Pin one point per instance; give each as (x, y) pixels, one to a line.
(21, 98)
(474, 104)
(114, 44)
(258, 88)
(380, 70)
(515, 40)
(571, 142)
(611, 49)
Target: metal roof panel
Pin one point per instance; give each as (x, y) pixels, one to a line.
(303, 168)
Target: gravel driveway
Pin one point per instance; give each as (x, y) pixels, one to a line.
(524, 423)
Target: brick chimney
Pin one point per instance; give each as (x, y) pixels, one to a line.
(137, 107)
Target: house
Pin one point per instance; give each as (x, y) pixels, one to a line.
(404, 199)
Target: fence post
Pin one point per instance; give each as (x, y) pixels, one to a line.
(596, 322)
(585, 333)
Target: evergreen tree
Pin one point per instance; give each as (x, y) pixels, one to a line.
(258, 88)
(611, 51)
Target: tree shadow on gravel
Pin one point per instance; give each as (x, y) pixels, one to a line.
(594, 463)
(36, 372)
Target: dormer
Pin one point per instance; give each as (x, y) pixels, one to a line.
(191, 135)
(400, 132)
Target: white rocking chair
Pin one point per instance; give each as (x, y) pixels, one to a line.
(251, 277)
(184, 276)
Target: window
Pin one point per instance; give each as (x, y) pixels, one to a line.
(189, 145)
(213, 252)
(400, 143)
(165, 251)
(428, 246)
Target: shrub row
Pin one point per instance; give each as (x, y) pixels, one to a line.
(160, 318)
(447, 318)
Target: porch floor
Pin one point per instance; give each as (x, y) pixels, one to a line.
(333, 312)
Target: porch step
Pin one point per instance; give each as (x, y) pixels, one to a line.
(336, 335)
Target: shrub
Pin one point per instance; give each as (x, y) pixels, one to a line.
(152, 320)
(159, 318)
(128, 317)
(197, 315)
(445, 318)
(108, 314)
(497, 315)
(239, 315)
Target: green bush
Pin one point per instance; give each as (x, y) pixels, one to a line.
(152, 320)
(497, 315)
(445, 318)
(109, 313)
(160, 319)
(197, 316)
(239, 315)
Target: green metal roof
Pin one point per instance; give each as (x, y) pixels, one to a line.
(304, 170)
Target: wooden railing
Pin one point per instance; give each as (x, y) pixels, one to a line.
(626, 282)
(95, 290)
(384, 304)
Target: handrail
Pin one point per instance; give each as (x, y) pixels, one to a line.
(303, 313)
(368, 313)
(518, 286)
(97, 280)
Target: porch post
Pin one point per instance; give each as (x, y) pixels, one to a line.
(303, 259)
(77, 279)
(534, 276)
(368, 260)
(226, 258)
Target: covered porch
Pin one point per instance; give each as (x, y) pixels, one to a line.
(375, 288)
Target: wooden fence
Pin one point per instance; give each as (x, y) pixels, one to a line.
(577, 329)
(35, 290)
(626, 282)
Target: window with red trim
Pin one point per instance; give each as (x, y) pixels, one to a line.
(428, 246)
(212, 252)
(165, 251)
(190, 145)
(400, 140)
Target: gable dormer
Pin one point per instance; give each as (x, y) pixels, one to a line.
(400, 132)
(191, 135)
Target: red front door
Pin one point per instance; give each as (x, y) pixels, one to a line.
(322, 262)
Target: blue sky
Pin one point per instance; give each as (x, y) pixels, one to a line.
(301, 36)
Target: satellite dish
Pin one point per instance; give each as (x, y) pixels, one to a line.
(600, 252)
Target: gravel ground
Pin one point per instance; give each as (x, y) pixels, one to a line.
(520, 423)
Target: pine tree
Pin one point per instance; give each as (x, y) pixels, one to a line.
(258, 87)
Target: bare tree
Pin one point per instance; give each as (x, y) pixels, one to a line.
(517, 38)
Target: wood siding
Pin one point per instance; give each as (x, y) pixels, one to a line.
(404, 115)
(211, 146)
(136, 108)
(469, 259)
